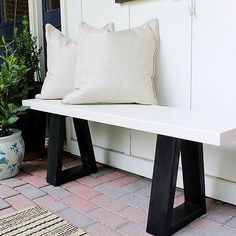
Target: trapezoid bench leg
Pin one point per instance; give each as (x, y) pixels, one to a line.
(55, 175)
(163, 219)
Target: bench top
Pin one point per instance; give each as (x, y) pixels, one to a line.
(210, 128)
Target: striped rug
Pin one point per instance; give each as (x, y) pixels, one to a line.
(36, 221)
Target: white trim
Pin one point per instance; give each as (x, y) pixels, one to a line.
(63, 16)
(217, 188)
(36, 28)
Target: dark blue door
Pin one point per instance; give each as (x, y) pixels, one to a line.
(7, 13)
(51, 13)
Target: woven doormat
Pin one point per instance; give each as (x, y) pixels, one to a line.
(36, 221)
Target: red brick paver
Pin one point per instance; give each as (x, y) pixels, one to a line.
(107, 218)
(79, 204)
(6, 191)
(124, 181)
(132, 229)
(83, 191)
(134, 214)
(100, 230)
(36, 181)
(50, 203)
(90, 181)
(109, 203)
(112, 176)
(7, 211)
(19, 202)
(179, 200)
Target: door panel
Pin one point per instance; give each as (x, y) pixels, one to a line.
(51, 13)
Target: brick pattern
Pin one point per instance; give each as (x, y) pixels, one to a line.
(19, 202)
(56, 192)
(134, 214)
(107, 218)
(3, 204)
(36, 181)
(83, 191)
(6, 211)
(6, 191)
(79, 204)
(22, 9)
(50, 203)
(100, 230)
(110, 202)
(12, 183)
(30, 191)
(76, 218)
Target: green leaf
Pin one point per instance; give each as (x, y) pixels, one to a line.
(12, 120)
(21, 109)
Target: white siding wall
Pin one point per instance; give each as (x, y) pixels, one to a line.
(207, 82)
(214, 84)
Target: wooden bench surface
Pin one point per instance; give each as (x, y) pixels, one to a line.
(210, 128)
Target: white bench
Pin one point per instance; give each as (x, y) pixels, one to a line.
(179, 131)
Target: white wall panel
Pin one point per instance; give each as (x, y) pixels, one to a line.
(107, 136)
(71, 15)
(214, 83)
(111, 137)
(100, 12)
(173, 62)
(173, 67)
(143, 144)
(220, 162)
(214, 55)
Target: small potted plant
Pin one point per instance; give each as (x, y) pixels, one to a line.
(25, 45)
(13, 88)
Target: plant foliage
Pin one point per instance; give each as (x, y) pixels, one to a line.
(26, 48)
(13, 87)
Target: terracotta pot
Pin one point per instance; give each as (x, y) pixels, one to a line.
(12, 149)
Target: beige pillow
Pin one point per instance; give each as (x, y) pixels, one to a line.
(117, 67)
(62, 53)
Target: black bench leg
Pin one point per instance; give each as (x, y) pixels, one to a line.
(163, 185)
(55, 175)
(85, 145)
(162, 218)
(55, 149)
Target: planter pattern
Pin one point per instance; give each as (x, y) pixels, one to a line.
(11, 155)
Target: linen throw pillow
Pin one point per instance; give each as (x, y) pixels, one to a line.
(62, 53)
(117, 67)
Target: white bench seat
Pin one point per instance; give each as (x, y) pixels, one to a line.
(179, 131)
(199, 126)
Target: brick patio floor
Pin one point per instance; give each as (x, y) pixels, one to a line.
(108, 203)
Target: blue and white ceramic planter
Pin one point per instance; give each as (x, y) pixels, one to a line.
(12, 149)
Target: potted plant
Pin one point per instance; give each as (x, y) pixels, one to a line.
(25, 45)
(13, 88)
